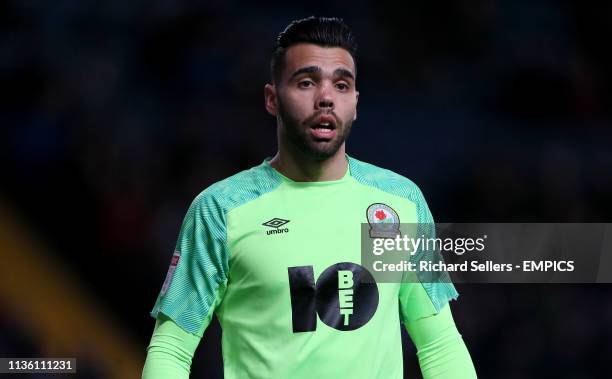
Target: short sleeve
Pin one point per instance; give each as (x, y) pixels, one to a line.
(414, 302)
(197, 277)
(429, 292)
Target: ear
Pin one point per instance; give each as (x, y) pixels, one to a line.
(357, 100)
(270, 99)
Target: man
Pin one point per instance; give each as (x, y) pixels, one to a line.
(274, 251)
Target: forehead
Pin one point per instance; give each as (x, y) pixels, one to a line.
(327, 58)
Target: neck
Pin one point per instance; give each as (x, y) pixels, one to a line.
(301, 168)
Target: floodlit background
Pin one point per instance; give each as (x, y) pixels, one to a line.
(115, 114)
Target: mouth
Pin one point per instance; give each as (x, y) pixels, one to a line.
(324, 127)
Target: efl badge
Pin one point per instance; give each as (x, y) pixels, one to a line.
(384, 221)
(173, 263)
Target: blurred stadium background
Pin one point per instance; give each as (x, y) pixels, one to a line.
(116, 114)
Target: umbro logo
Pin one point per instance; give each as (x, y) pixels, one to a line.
(276, 224)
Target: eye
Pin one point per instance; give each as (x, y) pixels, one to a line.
(342, 86)
(305, 84)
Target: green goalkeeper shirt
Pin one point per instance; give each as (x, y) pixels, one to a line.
(278, 262)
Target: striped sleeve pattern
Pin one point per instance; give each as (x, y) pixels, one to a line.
(200, 278)
(439, 287)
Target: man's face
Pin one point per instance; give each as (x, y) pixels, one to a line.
(315, 99)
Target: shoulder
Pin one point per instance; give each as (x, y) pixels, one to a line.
(385, 180)
(237, 189)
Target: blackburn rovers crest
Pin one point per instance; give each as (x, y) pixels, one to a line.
(384, 221)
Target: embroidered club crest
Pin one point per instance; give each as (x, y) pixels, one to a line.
(384, 221)
(173, 263)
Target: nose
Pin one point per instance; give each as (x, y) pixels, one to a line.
(325, 99)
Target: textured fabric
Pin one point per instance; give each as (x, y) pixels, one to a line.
(440, 348)
(200, 278)
(438, 286)
(278, 262)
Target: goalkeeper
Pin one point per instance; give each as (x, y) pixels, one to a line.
(274, 251)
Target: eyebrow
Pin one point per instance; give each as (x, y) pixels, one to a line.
(341, 72)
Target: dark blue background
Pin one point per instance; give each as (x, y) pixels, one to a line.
(116, 114)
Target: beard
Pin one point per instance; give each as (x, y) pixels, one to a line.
(297, 134)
